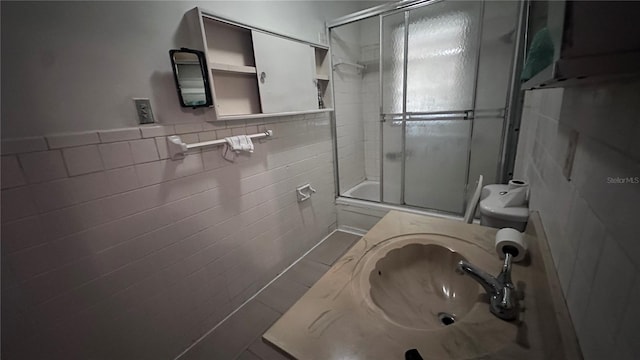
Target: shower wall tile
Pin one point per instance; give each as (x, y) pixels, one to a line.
(95, 257)
(590, 220)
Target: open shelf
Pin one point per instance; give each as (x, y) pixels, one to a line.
(321, 56)
(236, 93)
(322, 63)
(324, 93)
(233, 68)
(228, 44)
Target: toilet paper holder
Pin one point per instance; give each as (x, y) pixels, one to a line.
(304, 192)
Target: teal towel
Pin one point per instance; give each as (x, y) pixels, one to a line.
(540, 54)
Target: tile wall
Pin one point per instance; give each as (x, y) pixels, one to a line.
(112, 250)
(590, 220)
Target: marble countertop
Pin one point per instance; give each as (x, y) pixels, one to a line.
(336, 319)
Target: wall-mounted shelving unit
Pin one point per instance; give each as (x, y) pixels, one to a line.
(258, 73)
(232, 68)
(322, 63)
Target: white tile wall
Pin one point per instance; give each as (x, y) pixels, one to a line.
(82, 160)
(69, 140)
(107, 136)
(23, 145)
(157, 130)
(140, 258)
(115, 155)
(43, 166)
(11, 173)
(590, 222)
(144, 150)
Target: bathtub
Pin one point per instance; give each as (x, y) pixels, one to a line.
(366, 190)
(358, 209)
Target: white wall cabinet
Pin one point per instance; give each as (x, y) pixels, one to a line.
(285, 74)
(257, 73)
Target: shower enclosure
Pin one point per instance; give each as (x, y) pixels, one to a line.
(425, 100)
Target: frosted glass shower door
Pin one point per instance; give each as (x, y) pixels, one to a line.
(442, 56)
(436, 164)
(392, 64)
(443, 47)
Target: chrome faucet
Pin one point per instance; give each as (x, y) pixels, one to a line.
(500, 289)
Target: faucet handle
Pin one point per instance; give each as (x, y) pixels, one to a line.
(506, 302)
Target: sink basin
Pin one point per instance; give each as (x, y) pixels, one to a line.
(416, 286)
(395, 289)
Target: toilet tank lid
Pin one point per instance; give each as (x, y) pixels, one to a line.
(492, 206)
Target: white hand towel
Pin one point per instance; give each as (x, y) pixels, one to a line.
(245, 143)
(233, 142)
(236, 144)
(227, 153)
(232, 145)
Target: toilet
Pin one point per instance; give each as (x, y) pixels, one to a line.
(493, 212)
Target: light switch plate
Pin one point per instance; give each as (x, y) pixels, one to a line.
(143, 108)
(571, 154)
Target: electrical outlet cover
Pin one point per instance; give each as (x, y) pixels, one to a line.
(143, 108)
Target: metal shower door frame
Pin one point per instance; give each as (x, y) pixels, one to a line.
(510, 116)
(465, 114)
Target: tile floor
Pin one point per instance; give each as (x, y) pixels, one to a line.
(240, 337)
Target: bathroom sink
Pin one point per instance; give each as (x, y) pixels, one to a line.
(416, 286)
(396, 290)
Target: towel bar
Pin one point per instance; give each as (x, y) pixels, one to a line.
(177, 147)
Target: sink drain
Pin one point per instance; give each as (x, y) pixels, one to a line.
(446, 318)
